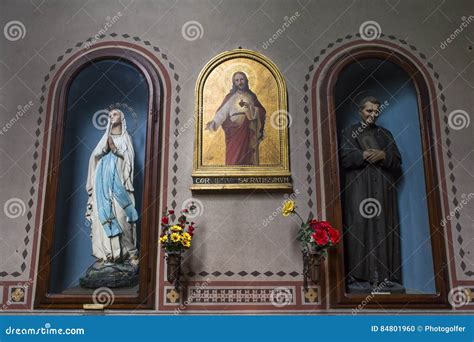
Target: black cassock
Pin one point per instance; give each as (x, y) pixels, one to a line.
(369, 199)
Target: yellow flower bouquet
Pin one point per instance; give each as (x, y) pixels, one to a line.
(176, 237)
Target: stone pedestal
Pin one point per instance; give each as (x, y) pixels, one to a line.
(108, 274)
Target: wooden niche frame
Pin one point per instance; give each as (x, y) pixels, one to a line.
(427, 110)
(149, 218)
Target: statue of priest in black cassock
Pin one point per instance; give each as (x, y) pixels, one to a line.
(370, 163)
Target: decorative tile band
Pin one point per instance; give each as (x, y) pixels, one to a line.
(229, 273)
(233, 295)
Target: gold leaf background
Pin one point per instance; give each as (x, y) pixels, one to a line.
(217, 86)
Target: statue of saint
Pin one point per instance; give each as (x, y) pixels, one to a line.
(242, 118)
(371, 165)
(111, 208)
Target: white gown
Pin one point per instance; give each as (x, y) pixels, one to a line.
(104, 247)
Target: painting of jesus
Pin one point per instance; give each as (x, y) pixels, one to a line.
(242, 122)
(242, 117)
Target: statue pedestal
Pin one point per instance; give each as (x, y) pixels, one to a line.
(112, 275)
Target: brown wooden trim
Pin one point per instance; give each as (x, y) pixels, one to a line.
(151, 197)
(423, 83)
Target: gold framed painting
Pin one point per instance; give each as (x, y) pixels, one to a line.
(241, 124)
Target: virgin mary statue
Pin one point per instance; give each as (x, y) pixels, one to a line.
(111, 208)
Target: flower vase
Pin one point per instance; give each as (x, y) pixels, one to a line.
(314, 267)
(173, 269)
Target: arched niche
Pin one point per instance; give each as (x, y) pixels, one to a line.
(129, 78)
(347, 74)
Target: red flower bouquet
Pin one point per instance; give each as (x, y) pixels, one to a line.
(315, 236)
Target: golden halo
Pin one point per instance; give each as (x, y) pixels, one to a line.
(228, 68)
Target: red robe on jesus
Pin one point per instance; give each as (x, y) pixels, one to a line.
(243, 127)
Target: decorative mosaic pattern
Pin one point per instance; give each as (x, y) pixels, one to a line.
(17, 295)
(312, 296)
(235, 295)
(218, 274)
